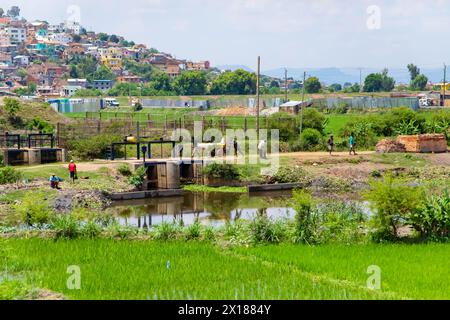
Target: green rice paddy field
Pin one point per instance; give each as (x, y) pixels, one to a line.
(194, 270)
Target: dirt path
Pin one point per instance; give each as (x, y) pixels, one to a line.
(323, 155)
(82, 166)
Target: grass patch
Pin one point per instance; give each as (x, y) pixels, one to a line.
(400, 160)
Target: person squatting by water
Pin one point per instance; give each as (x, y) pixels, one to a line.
(54, 182)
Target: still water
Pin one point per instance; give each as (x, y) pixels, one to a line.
(209, 208)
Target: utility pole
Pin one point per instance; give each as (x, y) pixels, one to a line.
(257, 96)
(303, 102)
(285, 85)
(360, 80)
(445, 83)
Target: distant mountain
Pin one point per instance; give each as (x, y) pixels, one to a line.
(342, 75)
(233, 67)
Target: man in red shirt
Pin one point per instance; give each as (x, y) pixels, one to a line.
(72, 170)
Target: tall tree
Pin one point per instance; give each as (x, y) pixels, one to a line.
(76, 38)
(2, 12)
(103, 36)
(14, 12)
(191, 83)
(414, 71)
(373, 82)
(312, 85)
(387, 83)
(234, 82)
(419, 83)
(161, 82)
(103, 73)
(114, 38)
(376, 82)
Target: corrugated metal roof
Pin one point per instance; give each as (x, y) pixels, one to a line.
(291, 104)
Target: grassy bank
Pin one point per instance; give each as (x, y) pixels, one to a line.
(181, 270)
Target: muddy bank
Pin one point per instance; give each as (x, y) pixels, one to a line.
(92, 199)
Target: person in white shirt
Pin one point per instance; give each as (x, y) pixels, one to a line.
(262, 149)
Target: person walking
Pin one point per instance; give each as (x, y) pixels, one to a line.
(237, 148)
(331, 144)
(262, 148)
(72, 170)
(351, 142)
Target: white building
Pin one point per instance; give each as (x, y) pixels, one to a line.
(68, 91)
(60, 38)
(56, 28)
(82, 83)
(93, 51)
(21, 60)
(73, 27)
(16, 35)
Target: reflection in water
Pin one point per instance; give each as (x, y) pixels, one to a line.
(208, 208)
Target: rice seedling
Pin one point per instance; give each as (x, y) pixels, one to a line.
(141, 270)
(198, 270)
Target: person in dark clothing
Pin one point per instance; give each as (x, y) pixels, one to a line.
(331, 144)
(73, 170)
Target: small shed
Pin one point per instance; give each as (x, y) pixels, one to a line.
(294, 106)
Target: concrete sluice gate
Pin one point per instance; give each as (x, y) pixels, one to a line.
(14, 157)
(171, 174)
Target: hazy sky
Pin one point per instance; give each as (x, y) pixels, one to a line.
(294, 33)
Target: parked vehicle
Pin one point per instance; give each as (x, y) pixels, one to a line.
(110, 103)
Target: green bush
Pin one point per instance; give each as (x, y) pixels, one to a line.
(66, 227)
(222, 171)
(193, 232)
(34, 209)
(288, 130)
(311, 140)
(329, 222)
(92, 148)
(439, 123)
(432, 219)
(393, 202)
(264, 230)
(341, 222)
(91, 230)
(291, 175)
(305, 219)
(124, 170)
(166, 231)
(313, 119)
(12, 106)
(9, 175)
(138, 178)
(40, 125)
